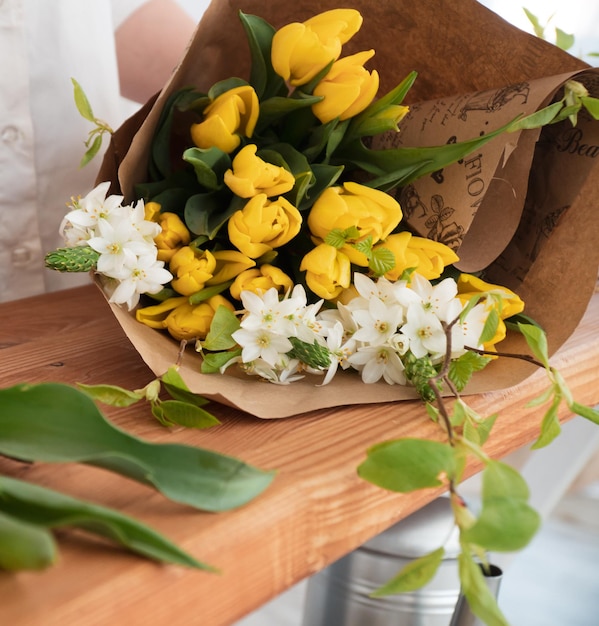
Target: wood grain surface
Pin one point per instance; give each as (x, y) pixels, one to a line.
(316, 510)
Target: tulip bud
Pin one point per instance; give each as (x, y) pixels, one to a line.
(191, 270)
(328, 271)
(301, 50)
(232, 114)
(260, 280)
(347, 89)
(251, 175)
(262, 225)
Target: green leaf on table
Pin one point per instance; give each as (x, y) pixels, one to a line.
(57, 423)
(406, 465)
(24, 546)
(481, 600)
(178, 389)
(111, 394)
(414, 575)
(45, 508)
(186, 414)
(506, 521)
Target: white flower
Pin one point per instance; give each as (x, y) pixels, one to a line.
(377, 323)
(340, 349)
(376, 362)
(440, 298)
(425, 332)
(120, 246)
(266, 311)
(94, 207)
(146, 276)
(261, 343)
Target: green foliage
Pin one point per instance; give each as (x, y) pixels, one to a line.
(94, 140)
(185, 411)
(406, 465)
(77, 259)
(56, 423)
(413, 576)
(35, 509)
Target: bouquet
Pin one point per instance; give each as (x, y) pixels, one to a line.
(287, 226)
(268, 234)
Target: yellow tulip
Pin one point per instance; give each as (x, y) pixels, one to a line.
(261, 279)
(347, 89)
(191, 270)
(152, 211)
(173, 236)
(469, 285)
(190, 321)
(155, 314)
(510, 304)
(263, 225)
(228, 117)
(373, 212)
(302, 50)
(429, 258)
(229, 263)
(251, 175)
(328, 271)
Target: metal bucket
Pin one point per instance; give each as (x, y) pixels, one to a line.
(339, 595)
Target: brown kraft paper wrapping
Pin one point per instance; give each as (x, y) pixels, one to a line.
(522, 210)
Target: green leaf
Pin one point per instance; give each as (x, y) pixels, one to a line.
(381, 261)
(186, 414)
(490, 326)
(57, 423)
(481, 600)
(585, 411)
(209, 166)
(413, 576)
(223, 325)
(111, 394)
(50, 509)
(539, 118)
(550, 426)
(591, 105)
(506, 521)
(178, 390)
(213, 361)
(537, 342)
(206, 213)
(208, 292)
(91, 152)
(262, 77)
(82, 103)
(534, 20)
(24, 546)
(406, 465)
(400, 166)
(462, 368)
(563, 40)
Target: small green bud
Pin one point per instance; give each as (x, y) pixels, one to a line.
(313, 355)
(78, 259)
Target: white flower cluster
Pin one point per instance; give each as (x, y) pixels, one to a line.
(370, 334)
(124, 240)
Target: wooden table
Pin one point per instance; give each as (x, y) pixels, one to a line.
(316, 510)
